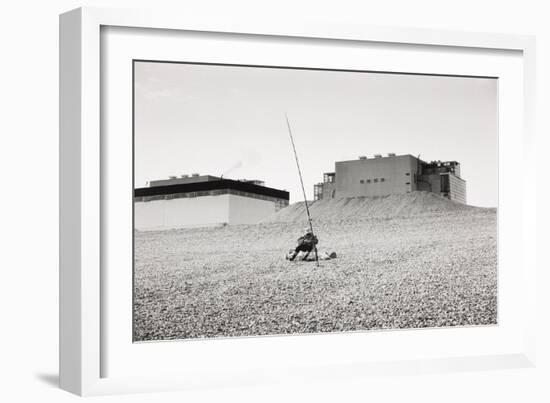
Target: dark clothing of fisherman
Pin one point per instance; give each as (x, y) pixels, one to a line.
(306, 243)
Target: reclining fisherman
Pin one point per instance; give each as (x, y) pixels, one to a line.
(306, 243)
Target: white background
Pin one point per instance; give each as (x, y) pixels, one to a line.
(28, 206)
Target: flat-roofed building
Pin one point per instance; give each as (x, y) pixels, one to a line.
(202, 201)
(394, 174)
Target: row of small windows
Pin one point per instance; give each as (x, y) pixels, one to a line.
(375, 180)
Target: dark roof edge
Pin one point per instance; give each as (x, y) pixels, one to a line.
(212, 185)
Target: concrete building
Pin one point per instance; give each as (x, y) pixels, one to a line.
(202, 201)
(394, 174)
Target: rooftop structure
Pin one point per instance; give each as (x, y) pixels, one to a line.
(183, 179)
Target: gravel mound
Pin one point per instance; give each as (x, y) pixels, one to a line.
(425, 270)
(403, 205)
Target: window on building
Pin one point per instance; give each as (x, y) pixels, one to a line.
(381, 179)
(375, 180)
(328, 178)
(408, 174)
(407, 183)
(361, 181)
(445, 184)
(368, 180)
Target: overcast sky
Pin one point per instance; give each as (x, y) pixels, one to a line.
(223, 119)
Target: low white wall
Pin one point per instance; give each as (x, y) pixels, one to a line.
(201, 211)
(181, 213)
(246, 210)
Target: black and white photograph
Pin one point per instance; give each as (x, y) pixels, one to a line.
(265, 202)
(273, 200)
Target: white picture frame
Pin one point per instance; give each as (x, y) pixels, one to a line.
(83, 178)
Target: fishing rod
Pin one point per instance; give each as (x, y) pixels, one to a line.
(303, 189)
